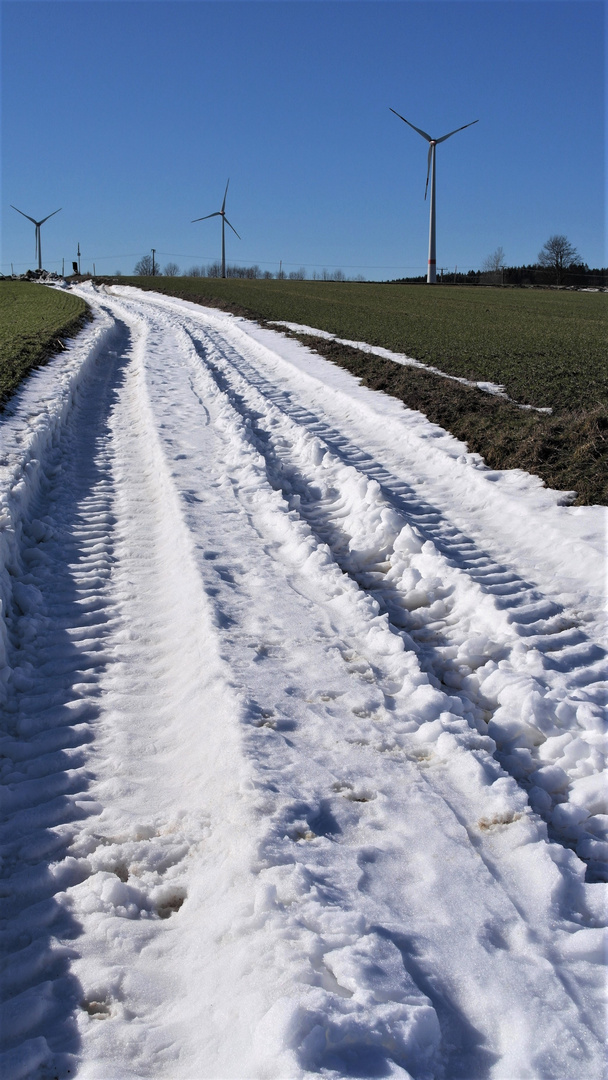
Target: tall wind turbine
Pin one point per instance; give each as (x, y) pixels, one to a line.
(431, 276)
(37, 224)
(221, 213)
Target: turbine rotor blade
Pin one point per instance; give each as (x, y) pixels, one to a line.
(25, 215)
(217, 213)
(449, 135)
(419, 130)
(231, 226)
(225, 193)
(49, 215)
(428, 170)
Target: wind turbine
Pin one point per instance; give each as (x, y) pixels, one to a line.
(431, 276)
(37, 224)
(221, 213)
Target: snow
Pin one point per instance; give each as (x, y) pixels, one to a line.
(303, 755)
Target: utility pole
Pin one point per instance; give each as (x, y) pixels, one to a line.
(153, 263)
(93, 269)
(78, 258)
(63, 267)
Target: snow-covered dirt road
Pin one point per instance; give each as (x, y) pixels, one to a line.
(304, 732)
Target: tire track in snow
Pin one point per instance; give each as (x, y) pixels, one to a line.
(57, 628)
(163, 789)
(360, 970)
(375, 1027)
(304, 822)
(543, 665)
(117, 797)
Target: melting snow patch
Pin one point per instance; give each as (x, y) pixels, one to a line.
(400, 358)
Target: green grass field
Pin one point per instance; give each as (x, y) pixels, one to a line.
(33, 322)
(547, 348)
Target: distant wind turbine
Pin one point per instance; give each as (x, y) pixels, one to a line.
(37, 224)
(431, 276)
(221, 213)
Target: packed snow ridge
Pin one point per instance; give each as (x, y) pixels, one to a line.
(303, 726)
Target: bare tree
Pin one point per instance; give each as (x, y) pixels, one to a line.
(252, 272)
(297, 275)
(195, 271)
(145, 267)
(171, 270)
(494, 262)
(558, 254)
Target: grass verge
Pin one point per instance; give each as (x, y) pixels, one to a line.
(34, 320)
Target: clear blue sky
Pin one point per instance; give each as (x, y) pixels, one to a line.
(132, 114)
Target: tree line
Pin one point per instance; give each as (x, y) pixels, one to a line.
(558, 263)
(147, 267)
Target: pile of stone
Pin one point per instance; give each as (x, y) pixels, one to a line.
(40, 275)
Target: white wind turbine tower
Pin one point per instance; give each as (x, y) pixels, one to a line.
(37, 224)
(221, 213)
(431, 276)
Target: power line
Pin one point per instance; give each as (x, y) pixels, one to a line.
(258, 262)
